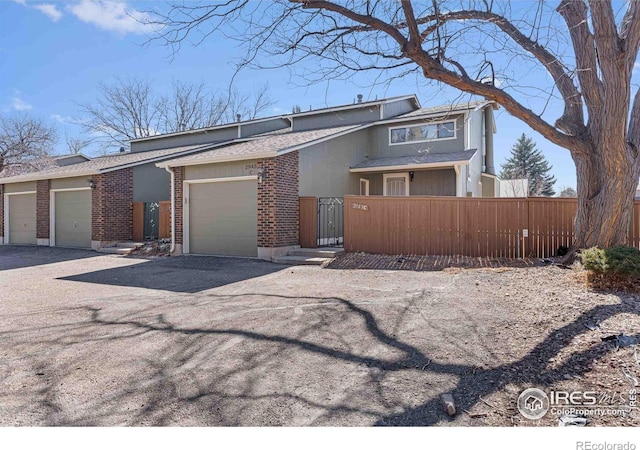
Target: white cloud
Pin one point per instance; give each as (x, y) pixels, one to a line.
(49, 10)
(111, 15)
(22, 2)
(65, 119)
(20, 105)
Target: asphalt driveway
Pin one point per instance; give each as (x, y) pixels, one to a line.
(88, 339)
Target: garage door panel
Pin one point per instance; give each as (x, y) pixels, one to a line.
(22, 219)
(73, 219)
(223, 218)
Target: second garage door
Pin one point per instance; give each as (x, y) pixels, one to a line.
(223, 218)
(73, 219)
(22, 219)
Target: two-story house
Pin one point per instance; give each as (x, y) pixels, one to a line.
(234, 188)
(242, 198)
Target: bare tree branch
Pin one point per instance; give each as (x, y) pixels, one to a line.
(25, 144)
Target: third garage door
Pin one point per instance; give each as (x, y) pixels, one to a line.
(73, 219)
(223, 218)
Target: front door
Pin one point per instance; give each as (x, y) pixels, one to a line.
(396, 184)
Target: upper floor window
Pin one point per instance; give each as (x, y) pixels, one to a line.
(418, 133)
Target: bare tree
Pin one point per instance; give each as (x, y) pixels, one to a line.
(124, 110)
(247, 105)
(75, 145)
(189, 106)
(586, 49)
(25, 144)
(130, 109)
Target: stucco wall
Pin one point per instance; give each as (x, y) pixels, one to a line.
(20, 187)
(221, 170)
(151, 184)
(324, 167)
(71, 183)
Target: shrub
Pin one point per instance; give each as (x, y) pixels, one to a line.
(615, 267)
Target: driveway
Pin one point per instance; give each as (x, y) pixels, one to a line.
(89, 339)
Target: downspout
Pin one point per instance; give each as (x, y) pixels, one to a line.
(173, 209)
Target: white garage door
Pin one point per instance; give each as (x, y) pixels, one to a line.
(223, 218)
(22, 219)
(73, 219)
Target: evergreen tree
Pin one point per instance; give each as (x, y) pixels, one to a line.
(568, 192)
(527, 161)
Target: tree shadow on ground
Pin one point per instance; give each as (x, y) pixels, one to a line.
(188, 376)
(188, 274)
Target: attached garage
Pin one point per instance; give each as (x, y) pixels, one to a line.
(71, 218)
(21, 214)
(222, 217)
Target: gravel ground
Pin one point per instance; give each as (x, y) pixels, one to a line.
(107, 340)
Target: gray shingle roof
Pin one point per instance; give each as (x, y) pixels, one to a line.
(265, 144)
(443, 109)
(103, 164)
(424, 158)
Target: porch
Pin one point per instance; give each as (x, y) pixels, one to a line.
(450, 174)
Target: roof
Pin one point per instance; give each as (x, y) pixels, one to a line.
(284, 116)
(264, 146)
(423, 160)
(105, 164)
(440, 111)
(70, 155)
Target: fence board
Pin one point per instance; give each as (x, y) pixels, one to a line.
(164, 225)
(308, 222)
(492, 227)
(138, 221)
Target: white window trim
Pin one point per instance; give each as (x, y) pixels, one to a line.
(6, 239)
(186, 202)
(366, 182)
(52, 211)
(400, 174)
(455, 132)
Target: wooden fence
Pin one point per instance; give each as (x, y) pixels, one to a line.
(164, 220)
(492, 227)
(308, 222)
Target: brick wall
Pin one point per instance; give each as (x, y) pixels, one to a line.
(42, 208)
(112, 206)
(1, 210)
(278, 201)
(179, 201)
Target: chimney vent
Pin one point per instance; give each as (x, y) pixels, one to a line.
(359, 98)
(121, 149)
(238, 117)
(183, 126)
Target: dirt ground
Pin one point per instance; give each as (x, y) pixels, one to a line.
(104, 340)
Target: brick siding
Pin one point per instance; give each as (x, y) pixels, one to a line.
(179, 202)
(112, 206)
(42, 208)
(278, 213)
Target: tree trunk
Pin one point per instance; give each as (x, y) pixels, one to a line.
(607, 180)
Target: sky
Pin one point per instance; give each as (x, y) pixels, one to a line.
(54, 54)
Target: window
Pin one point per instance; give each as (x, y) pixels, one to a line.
(430, 132)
